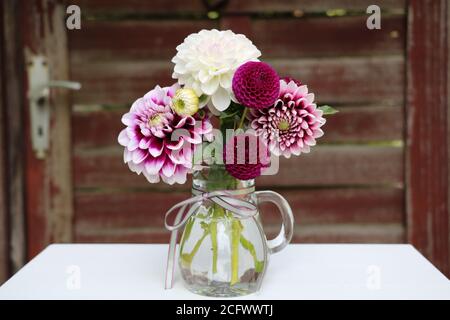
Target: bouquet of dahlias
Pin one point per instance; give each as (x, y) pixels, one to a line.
(227, 111)
(219, 75)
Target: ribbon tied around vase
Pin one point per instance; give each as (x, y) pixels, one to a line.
(227, 199)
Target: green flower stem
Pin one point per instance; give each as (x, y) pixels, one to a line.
(244, 115)
(186, 258)
(236, 229)
(187, 232)
(213, 235)
(246, 244)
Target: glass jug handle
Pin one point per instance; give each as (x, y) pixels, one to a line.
(287, 227)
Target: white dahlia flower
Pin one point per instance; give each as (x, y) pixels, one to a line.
(206, 62)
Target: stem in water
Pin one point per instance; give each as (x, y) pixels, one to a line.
(187, 258)
(213, 234)
(246, 244)
(236, 229)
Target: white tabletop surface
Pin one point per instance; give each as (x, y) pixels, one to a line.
(136, 271)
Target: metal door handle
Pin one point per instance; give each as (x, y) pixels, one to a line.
(39, 86)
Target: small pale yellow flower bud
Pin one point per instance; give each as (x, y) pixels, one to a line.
(185, 102)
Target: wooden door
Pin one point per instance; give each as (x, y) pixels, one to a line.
(349, 189)
(380, 174)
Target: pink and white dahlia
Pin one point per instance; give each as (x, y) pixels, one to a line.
(292, 124)
(158, 142)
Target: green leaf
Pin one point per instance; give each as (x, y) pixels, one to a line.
(327, 110)
(224, 115)
(233, 110)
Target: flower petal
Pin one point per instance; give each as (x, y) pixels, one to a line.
(168, 168)
(211, 86)
(154, 165)
(128, 119)
(127, 156)
(133, 144)
(225, 80)
(156, 147)
(221, 99)
(139, 155)
(152, 178)
(175, 145)
(138, 168)
(123, 138)
(144, 143)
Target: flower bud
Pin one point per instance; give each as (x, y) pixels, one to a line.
(185, 102)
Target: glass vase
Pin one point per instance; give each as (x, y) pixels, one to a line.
(224, 255)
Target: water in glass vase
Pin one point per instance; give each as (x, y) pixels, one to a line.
(222, 255)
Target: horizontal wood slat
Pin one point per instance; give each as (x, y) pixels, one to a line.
(294, 38)
(177, 6)
(320, 37)
(155, 39)
(324, 166)
(311, 5)
(340, 206)
(334, 80)
(324, 233)
(340, 165)
(355, 124)
(350, 233)
(138, 6)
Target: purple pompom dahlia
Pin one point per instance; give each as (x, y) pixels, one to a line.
(293, 124)
(256, 85)
(246, 156)
(158, 142)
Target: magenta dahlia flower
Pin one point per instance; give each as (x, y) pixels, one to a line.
(256, 85)
(245, 156)
(158, 142)
(293, 124)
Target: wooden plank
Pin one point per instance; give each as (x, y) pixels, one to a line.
(360, 79)
(341, 165)
(143, 40)
(311, 5)
(324, 233)
(324, 166)
(351, 124)
(180, 6)
(137, 6)
(59, 162)
(448, 113)
(364, 124)
(4, 235)
(336, 206)
(103, 235)
(349, 80)
(340, 206)
(37, 228)
(427, 154)
(14, 144)
(319, 37)
(49, 186)
(155, 39)
(350, 233)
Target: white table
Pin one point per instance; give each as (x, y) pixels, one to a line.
(135, 271)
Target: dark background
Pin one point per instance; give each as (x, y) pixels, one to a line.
(379, 175)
